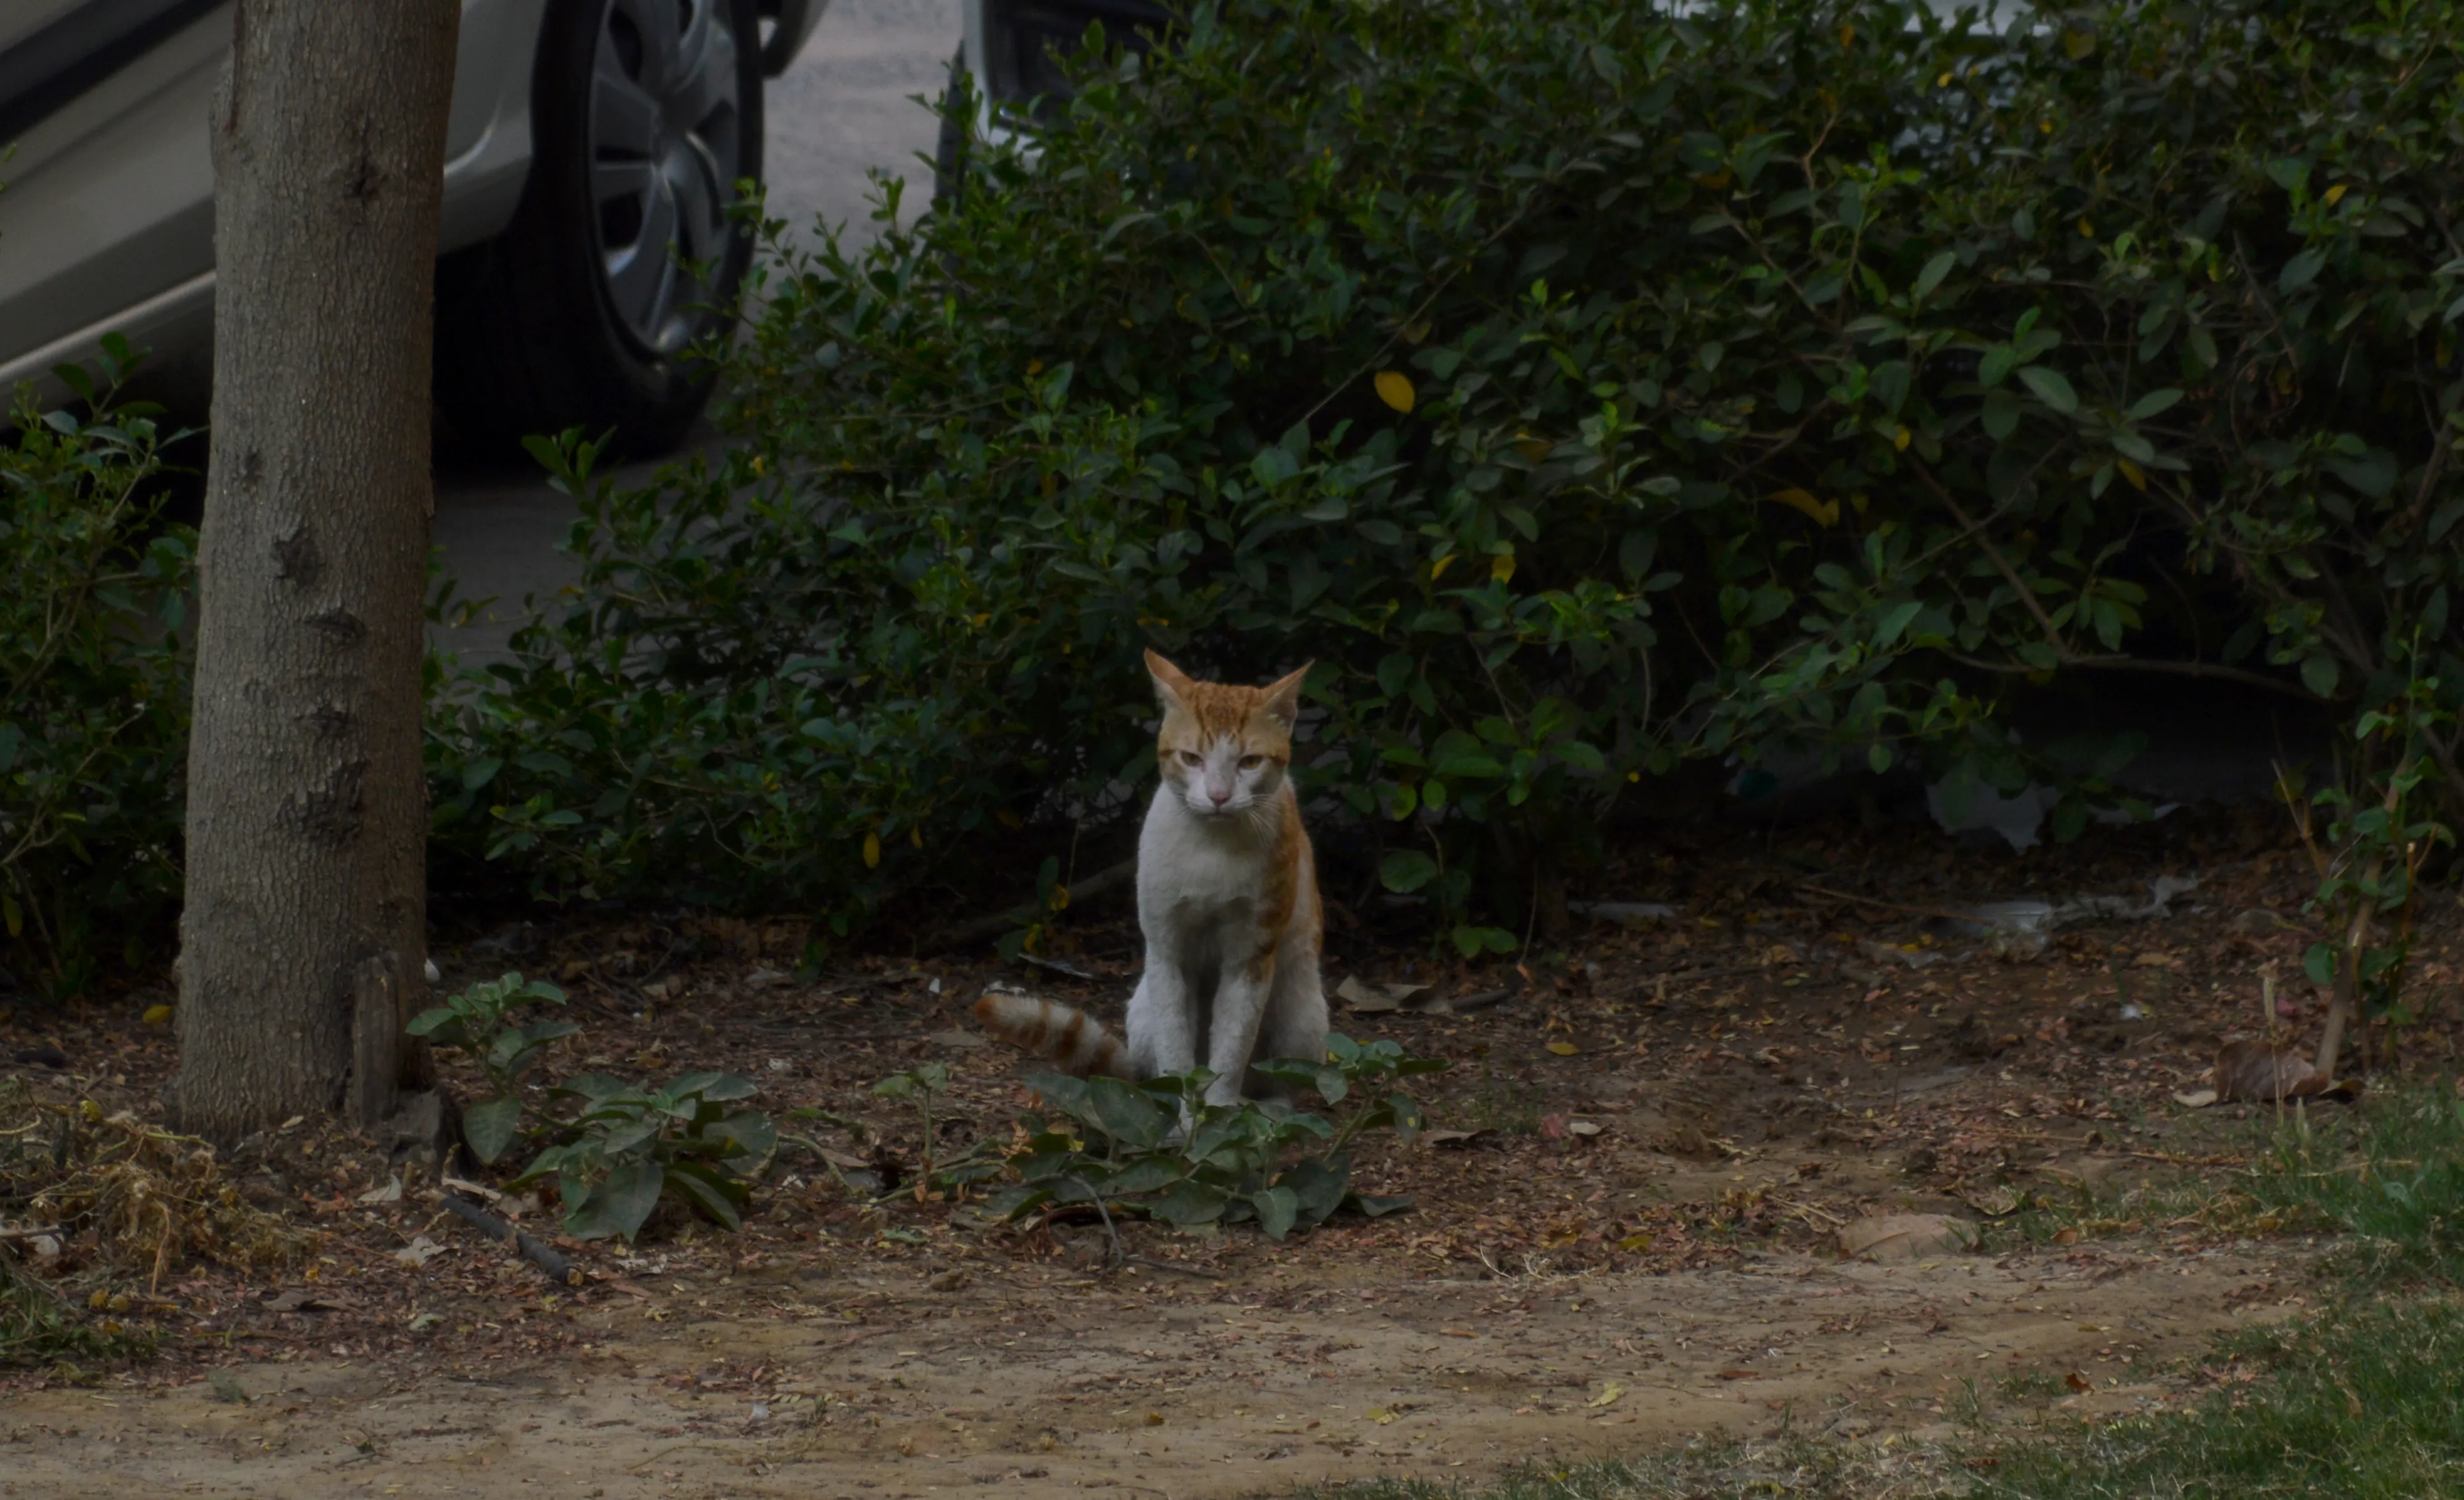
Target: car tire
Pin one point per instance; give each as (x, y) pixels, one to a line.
(582, 314)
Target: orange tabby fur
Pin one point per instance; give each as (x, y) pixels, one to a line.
(1227, 901)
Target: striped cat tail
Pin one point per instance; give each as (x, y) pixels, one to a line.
(1062, 1035)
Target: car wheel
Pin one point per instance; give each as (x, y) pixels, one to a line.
(588, 311)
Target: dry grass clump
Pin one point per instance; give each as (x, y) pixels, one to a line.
(90, 1197)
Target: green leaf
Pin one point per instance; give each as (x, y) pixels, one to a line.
(1932, 275)
(1126, 1114)
(2051, 386)
(2319, 963)
(434, 1023)
(1190, 1202)
(1317, 1187)
(1406, 871)
(2155, 402)
(1277, 1209)
(1377, 1207)
(492, 1126)
(619, 1203)
(2319, 674)
(706, 1192)
(1146, 1175)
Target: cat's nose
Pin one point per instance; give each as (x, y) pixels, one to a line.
(1220, 797)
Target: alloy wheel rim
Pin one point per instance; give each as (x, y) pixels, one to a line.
(665, 107)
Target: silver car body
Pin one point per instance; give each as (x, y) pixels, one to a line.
(107, 203)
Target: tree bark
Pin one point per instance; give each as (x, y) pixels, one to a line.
(306, 909)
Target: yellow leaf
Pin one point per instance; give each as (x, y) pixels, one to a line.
(1416, 332)
(1824, 512)
(2087, 231)
(1899, 441)
(1847, 37)
(1395, 389)
(2077, 43)
(915, 835)
(1564, 1049)
(1608, 1396)
(2334, 193)
(1500, 567)
(1035, 366)
(1438, 569)
(871, 851)
(1380, 1415)
(1060, 898)
(157, 1015)
(2131, 471)
(1634, 1243)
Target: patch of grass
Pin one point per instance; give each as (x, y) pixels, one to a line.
(2030, 1385)
(1708, 1469)
(2365, 1403)
(2389, 1179)
(37, 1325)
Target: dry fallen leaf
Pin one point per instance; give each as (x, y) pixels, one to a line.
(1886, 1237)
(2075, 1380)
(2247, 1069)
(419, 1252)
(1564, 1049)
(1371, 999)
(1608, 1396)
(390, 1193)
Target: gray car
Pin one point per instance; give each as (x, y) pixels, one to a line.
(591, 163)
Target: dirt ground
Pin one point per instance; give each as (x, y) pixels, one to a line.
(1623, 1234)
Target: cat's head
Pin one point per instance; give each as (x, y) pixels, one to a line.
(1223, 750)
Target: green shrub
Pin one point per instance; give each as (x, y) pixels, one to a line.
(1587, 389)
(1160, 1149)
(94, 683)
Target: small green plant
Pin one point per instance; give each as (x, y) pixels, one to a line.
(480, 1021)
(629, 1148)
(923, 1085)
(1160, 1149)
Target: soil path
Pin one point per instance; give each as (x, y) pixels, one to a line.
(1046, 1382)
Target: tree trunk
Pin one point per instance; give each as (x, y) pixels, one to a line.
(306, 915)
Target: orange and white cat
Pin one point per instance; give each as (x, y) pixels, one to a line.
(1227, 901)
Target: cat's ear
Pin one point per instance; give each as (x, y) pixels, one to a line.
(1171, 684)
(1284, 696)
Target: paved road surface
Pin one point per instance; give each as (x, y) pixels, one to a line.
(844, 107)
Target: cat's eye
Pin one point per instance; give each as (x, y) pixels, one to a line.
(1191, 757)
(1250, 763)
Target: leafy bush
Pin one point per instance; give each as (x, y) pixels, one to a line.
(1158, 1148)
(480, 1022)
(1586, 389)
(624, 1148)
(628, 1148)
(94, 677)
